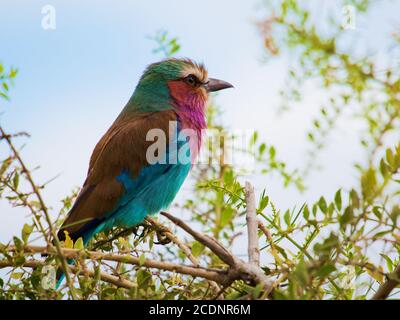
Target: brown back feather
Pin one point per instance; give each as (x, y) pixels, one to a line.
(123, 147)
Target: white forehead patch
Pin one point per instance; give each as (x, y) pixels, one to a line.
(197, 70)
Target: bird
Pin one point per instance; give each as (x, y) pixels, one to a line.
(125, 182)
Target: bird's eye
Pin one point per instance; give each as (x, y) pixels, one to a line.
(192, 80)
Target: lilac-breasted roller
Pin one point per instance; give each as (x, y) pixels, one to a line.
(122, 186)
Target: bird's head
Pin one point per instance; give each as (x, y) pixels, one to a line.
(177, 83)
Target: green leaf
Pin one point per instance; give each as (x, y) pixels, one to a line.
(68, 242)
(281, 250)
(389, 262)
(263, 203)
(257, 290)
(369, 185)
(327, 245)
(197, 248)
(142, 259)
(346, 217)
(17, 275)
(338, 199)
(301, 273)
(262, 148)
(254, 138)
(390, 157)
(384, 168)
(322, 204)
(355, 200)
(226, 216)
(143, 278)
(325, 270)
(18, 243)
(16, 180)
(306, 212)
(272, 152)
(315, 209)
(286, 217)
(4, 166)
(79, 244)
(377, 211)
(26, 231)
(395, 214)
(13, 73)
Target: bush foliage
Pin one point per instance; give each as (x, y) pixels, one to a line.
(345, 246)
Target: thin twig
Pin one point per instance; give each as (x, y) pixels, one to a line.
(43, 208)
(117, 281)
(168, 233)
(219, 276)
(208, 241)
(252, 229)
(238, 268)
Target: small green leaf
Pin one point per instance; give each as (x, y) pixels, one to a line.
(17, 275)
(262, 148)
(79, 244)
(18, 243)
(257, 290)
(325, 270)
(143, 278)
(355, 200)
(306, 212)
(197, 248)
(395, 214)
(369, 185)
(346, 217)
(338, 199)
(263, 203)
(26, 231)
(390, 157)
(16, 180)
(254, 138)
(377, 212)
(322, 204)
(286, 217)
(272, 152)
(226, 216)
(384, 168)
(389, 262)
(142, 259)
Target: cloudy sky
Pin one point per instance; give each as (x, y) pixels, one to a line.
(74, 80)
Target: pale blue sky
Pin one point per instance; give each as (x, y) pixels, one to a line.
(74, 80)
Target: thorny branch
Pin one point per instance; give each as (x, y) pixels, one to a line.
(43, 208)
(238, 269)
(117, 281)
(210, 274)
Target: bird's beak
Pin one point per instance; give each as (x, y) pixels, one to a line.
(215, 85)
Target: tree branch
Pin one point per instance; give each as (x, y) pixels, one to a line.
(117, 281)
(208, 241)
(387, 287)
(186, 250)
(238, 268)
(219, 276)
(43, 208)
(252, 229)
